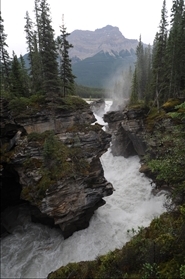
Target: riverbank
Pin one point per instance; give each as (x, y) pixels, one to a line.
(156, 251)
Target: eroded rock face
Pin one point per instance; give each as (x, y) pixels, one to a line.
(158, 139)
(128, 131)
(70, 196)
(80, 196)
(98, 107)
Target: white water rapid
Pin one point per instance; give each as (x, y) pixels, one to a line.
(33, 250)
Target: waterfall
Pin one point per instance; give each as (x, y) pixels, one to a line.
(33, 250)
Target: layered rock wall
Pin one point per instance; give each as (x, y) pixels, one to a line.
(66, 187)
(128, 131)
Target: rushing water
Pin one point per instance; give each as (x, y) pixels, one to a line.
(33, 250)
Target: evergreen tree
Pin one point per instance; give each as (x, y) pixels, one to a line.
(176, 50)
(47, 48)
(66, 74)
(37, 66)
(147, 73)
(24, 77)
(29, 39)
(5, 62)
(140, 69)
(127, 81)
(182, 86)
(162, 75)
(142, 74)
(37, 16)
(158, 63)
(34, 58)
(17, 79)
(134, 88)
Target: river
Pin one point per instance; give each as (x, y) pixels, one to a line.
(33, 250)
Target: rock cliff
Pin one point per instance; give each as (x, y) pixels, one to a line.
(152, 135)
(158, 135)
(128, 131)
(50, 158)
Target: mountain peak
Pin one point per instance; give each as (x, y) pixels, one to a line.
(88, 43)
(107, 28)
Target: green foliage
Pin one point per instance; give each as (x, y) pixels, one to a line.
(71, 103)
(25, 104)
(139, 104)
(57, 154)
(33, 56)
(19, 104)
(134, 231)
(90, 92)
(171, 104)
(182, 272)
(38, 137)
(65, 66)
(161, 75)
(180, 113)
(5, 61)
(7, 95)
(47, 49)
(182, 210)
(153, 117)
(175, 49)
(59, 162)
(155, 252)
(19, 78)
(32, 104)
(50, 147)
(150, 271)
(142, 75)
(169, 164)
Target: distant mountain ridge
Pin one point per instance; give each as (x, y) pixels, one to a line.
(102, 69)
(97, 56)
(88, 43)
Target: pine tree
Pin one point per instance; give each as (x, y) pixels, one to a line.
(182, 87)
(47, 48)
(142, 74)
(37, 67)
(66, 74)
(176, 50)
(164, 72)
(16, 77)
(37, 16)
(127, 81)
(34, 58)
(140, 69)
(158, 63)
(5, 62)
(134, 88)
(24, 77)
(147, 73)
(29, 38)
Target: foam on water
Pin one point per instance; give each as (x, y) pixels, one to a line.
(33, 250)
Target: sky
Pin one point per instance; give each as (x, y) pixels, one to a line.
(132, 17)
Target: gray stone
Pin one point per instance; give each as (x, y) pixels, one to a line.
(70, 201)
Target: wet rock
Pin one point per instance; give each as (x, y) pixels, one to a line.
(98, 107)
(128, 131)
(70, 200)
